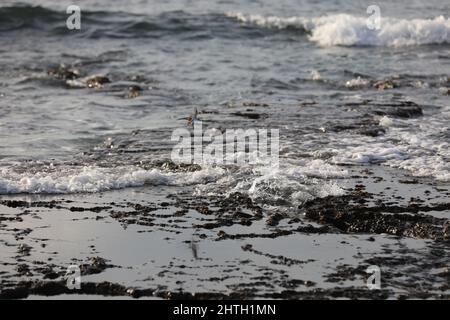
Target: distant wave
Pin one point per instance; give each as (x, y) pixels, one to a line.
(116, 24)
(332, 30)
(18, 17)
(349, 30)
(39, 18)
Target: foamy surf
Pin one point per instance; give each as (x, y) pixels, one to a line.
(350, 30)
(293, 182)
(94, 179)
(414, 148)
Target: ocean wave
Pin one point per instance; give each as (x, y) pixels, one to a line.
(290, 184)
(95, 179)
(17, 17)
(332, 30)
(349, 30)
(39, 18)
(271, 21)
(117, 24)
(417, 148)
(295, 182)
(357, 83)
(419, 164)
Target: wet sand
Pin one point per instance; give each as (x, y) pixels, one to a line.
(143, 243)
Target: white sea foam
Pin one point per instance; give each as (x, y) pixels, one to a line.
(316, 76)
(385, 121)
(370, 153)
(357, 83)
(428, 156)
(294, 182)
(415, 147)
(94, 179)
(349, 30)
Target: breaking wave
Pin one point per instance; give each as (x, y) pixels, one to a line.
(95, 179)
(294, 182)
(349, 30)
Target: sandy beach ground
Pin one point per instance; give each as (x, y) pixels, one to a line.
(143, 243)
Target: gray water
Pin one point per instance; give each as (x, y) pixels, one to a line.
(309, 76)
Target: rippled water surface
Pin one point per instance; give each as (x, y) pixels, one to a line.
(311, 70)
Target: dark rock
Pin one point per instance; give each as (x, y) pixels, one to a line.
(97, 81)
(385, 84)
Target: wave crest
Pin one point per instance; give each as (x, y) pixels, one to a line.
(95, 179)
(349, 30)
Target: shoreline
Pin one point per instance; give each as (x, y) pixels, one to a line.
(149, 242)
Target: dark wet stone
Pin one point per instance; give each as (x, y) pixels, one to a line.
(24, 249)
(274, 219)
(134, 91)
(413, 181)
(48, 288)
(237, 199)
(445, 273)
(94, 266)
(311, 229)
(367, 127)
(347, 215)
(20, 292)
(25, 204)
(64, 73)
(446, 231)
(399, 109)
(97, 81)
(182, 167)
(372, 132)
(104, 288)
(385, 84)
(15, 203)
(54, 288)
(92, 209)
(23, 270)
(250, 115)
(276, 259)
(254, 104)
(138, 293)
(277, 233)
(401, 112)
